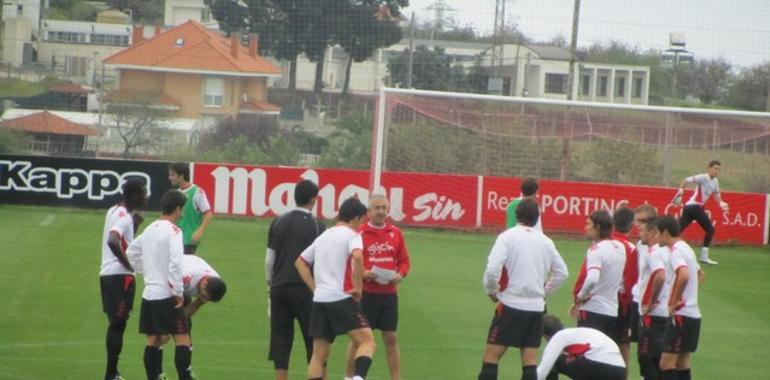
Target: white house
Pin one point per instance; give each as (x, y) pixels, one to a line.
(178, 12)
(28, 9)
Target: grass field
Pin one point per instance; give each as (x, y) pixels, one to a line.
(52, 327)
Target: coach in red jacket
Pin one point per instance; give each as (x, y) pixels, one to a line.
(386, 263)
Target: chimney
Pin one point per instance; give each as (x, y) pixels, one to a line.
(137, 34)
(157, 29)
(235, 44)
(254, 45)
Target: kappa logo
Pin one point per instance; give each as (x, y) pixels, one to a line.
(64, 182)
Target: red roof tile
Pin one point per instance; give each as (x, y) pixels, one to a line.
(46, 122)
(259, 106)
(200, 50)
(69, 88)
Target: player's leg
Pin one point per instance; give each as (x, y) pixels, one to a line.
(281, 333)
(320, 354)
(152, 359)
(388, 323)
(301, 308)
(350, 359)
(492, 355)
(363, 340)
(183, 356)
(529, 363)
(708, 227)
(393, 353)
(117, 301)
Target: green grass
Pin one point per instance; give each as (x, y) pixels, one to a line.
(52, 327)
(20, 88)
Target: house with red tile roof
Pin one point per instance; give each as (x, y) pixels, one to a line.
(193, 72)
(50, 134)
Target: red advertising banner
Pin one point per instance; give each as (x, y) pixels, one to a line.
(566, 205)
(462, 201)
(417, 199)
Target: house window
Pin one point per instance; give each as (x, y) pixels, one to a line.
(585, 85)
(213, 92)
(76, 66)
(556, 83)
(620, 86)
(602, 88)
(109, 39)
(638, 87)
(67, 37)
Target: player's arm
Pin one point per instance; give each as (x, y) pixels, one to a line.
(194, 306)
(176, 253)
(357, 264)
(657, 280)
(134, 254)
(303, 263)
(203, 204)
(494, 270)
(701, 276)
(114, 242)
(682, 277)
(551, 353)
(404, 264)
(593, 272)
(559, 273)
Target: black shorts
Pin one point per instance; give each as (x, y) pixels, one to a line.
(604, 323)
(160, 317)
(189, 249)
(329, 319)
(516, 328)
(681, 335)
(381, 310)
(633, 317)
(625, 323)
(581, 368)
(288, 303)
(117, 295)
(651, 332)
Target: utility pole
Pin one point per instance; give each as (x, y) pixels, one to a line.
(410, 64)
(573, 49)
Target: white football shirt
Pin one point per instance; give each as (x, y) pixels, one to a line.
(682, 255)
(200, 200)
(118, 219)
(654, 259)
(524, 267)
(158, 253)
(330, 256)
(706, 187)
(605, 262)
(641, 249)
(195, 269)
(579, 341)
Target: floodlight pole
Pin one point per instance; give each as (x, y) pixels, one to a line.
(410, 64)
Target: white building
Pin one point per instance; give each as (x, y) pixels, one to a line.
(534, 71)
(176, 132)
(178, 12)
(28, 9)
(542, 71)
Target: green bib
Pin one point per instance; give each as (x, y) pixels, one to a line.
(191, 218)
(510, 213)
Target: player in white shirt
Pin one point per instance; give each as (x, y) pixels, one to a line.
(707, 185)
(653, 297)
(116, 276)
(201, 282)
(580, 353)
(522, 269)
(337, 283)
(596, 290)
(158, 252)
(682, 280)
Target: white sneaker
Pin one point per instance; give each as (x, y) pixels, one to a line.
(706, 260)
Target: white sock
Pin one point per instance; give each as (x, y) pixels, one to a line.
(704, 253)
(348, 378)
(358, 378)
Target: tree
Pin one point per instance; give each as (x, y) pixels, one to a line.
(431, 68)
(146, 11)
(709, 80)
(368, 27)
(249, 139)
(349, 146)
(749, 90)
(138, 122)
(229, 14)
(10, 140)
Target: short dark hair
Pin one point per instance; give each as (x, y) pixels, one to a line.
(181, 168)
(668, 223)
(650, 223)
(713, 163)
(603, 221)
(623, 219)
(350, 209)
(171, 200)
(551, 325)
(305, 191)
(527, 212)
(529, 187)
(647, 209)
(133, 190)
(216, 288)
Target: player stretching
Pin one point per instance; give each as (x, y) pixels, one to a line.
(707, 185)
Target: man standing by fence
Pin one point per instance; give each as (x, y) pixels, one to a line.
(197, 213)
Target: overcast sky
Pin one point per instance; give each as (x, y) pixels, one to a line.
(738, 30)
